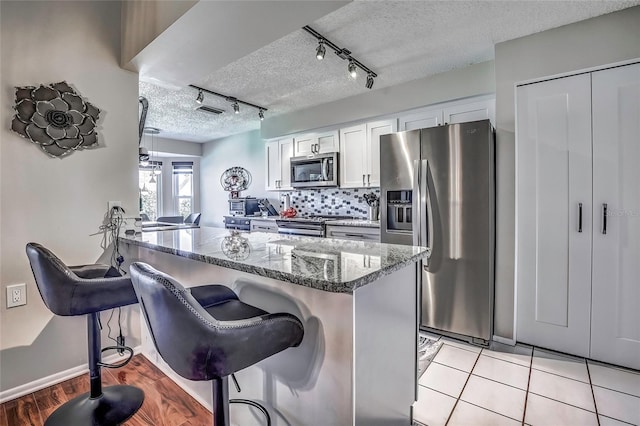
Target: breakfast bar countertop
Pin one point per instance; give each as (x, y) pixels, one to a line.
(338, 266)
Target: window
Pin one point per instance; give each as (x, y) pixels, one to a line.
(149, 185)
(183, 187)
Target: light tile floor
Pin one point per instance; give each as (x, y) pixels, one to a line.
(521, 385)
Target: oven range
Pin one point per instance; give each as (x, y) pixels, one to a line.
(313, 226)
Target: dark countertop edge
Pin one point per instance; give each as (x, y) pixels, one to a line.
(347, 287)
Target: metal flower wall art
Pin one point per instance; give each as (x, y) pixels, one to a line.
(55, 118)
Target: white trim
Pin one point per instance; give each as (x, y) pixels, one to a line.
(576, 72)
(504, 340)
(180, 381)
(55, 378)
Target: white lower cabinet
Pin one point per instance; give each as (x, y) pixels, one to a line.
(578, 215)
(264, 225)
(353, 233)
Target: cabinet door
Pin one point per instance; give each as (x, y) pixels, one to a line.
(374, 131)
(431, 117)
(474, 111)
(553, 176)
(328, 142)
(353, 142)
(303, 145)
(273, 170)
(286, 152)
(616, 182)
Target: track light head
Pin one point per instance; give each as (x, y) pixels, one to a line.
(320, 51)
(261, 115)
(200, 97)
(369, 83)
(352, 69)
(236, 108)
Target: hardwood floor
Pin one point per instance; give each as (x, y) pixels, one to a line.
(165, 403)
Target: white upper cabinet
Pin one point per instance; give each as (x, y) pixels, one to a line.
(450, 113)
(360, 153)
(428, 117)
(472, 111)
(278, 164)
(315, 143)
(353, 142)
(376, 129)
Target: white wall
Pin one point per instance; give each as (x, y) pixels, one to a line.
(172, 146)
(143, 21)
(60, 202)
(244, 150)
(598, 41)
(474, 80)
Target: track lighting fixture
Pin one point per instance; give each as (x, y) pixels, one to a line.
(343, 53)
(200, 97)
(320, 51)
(369, 83)
(234, 101)
(352, 69)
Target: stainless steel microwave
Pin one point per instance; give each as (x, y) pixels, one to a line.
(319, 170)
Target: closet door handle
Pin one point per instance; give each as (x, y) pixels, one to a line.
(604, 218)
(579, 217)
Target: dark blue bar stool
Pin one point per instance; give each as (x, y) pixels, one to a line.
(87, 290)
(207, 333)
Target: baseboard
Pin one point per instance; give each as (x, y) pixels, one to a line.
(504, 340)
(54, 379)
(178, 380)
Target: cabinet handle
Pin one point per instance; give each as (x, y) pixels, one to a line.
(604, 218)
(579, 217)
(363, 180)
(368, 180)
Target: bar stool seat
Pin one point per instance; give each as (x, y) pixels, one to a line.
(207, 333)
(87, 290)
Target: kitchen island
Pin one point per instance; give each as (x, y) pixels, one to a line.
(357, 301)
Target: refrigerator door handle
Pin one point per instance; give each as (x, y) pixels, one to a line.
(417, 204)
(425, 201)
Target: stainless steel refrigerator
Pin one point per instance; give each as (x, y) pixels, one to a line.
(438, 190)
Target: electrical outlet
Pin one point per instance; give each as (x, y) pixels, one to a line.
(112, 204)
(16, 295)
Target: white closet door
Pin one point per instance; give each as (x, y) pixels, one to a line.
(553, 258)
(616, 183)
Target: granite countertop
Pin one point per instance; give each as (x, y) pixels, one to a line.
(338, 266)
(363, 223)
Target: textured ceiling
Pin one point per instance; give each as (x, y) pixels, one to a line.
(399, 40)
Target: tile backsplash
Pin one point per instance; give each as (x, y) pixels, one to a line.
(330, 201)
